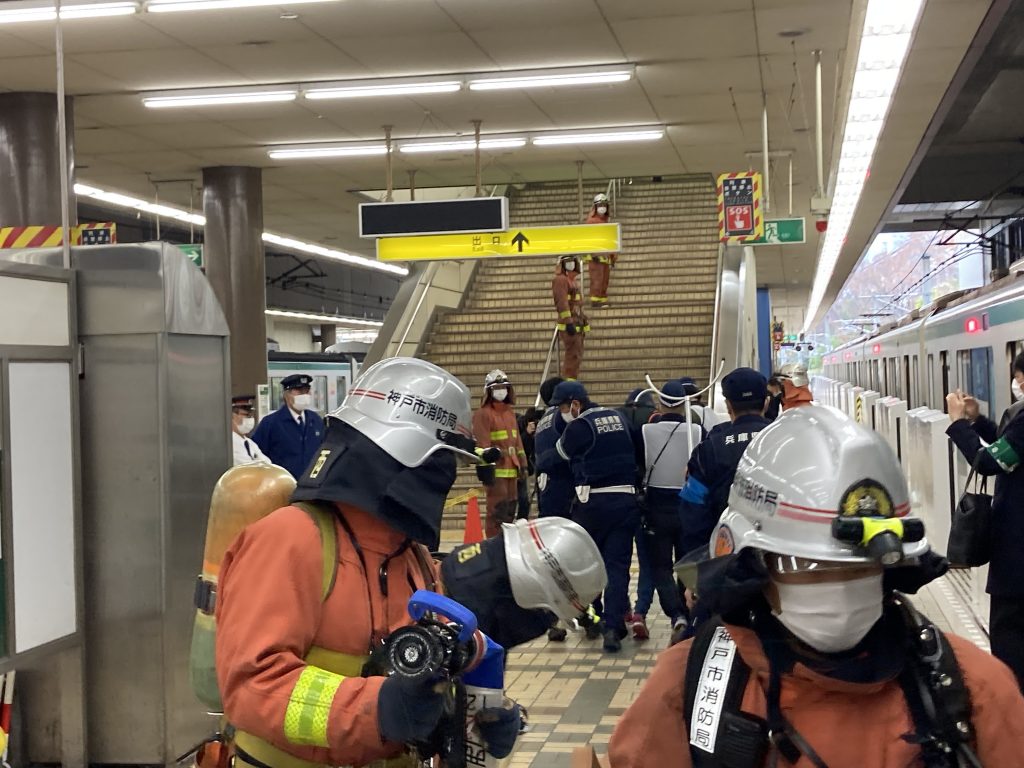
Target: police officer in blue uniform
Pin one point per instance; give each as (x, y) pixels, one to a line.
(554, 478)
(602, 457)
(291, 435)
(712, 466)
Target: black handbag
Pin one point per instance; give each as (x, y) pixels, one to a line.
(970, 534)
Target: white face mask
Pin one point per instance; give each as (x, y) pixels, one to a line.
(1018, 393)
(602, 210)
(246, 426)
(302, 402)
(567, 416)
(499, 394)
(831, 616)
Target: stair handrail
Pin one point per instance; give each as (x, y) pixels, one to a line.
(673, 402)
(718, 311)
(547, 365)
(424, 290)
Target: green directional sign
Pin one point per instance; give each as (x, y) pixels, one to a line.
(194, 252)
(782, 232)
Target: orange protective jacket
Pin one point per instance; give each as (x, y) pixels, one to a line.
(604, 258)
(849, 725)
(494, 426)
(568, 301)
(288, 664)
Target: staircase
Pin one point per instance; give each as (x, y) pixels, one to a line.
(661, 295)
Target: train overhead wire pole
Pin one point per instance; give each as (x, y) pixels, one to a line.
(389, 196)
(476, 157)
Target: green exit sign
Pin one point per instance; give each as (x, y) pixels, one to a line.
(194, 252)
(782, 232)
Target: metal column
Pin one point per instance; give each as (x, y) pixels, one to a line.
(30, 160)
(234, 258)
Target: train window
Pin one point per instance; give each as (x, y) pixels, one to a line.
(944, 362)
(908, 392)
(935, 397)
(318, 389)
(915, 382)
(342, 390)
(976, 374)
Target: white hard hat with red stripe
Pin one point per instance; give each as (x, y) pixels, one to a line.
(553, 563)
(818, 487)
(411, 409)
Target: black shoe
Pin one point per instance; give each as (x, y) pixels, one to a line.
(594, 631)
(557, 635)
(612, 641)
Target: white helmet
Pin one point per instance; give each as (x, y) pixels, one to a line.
(816, 486)
(553, 563)
(600, 197)
(796, 373)
(410, 408)
(496, 378)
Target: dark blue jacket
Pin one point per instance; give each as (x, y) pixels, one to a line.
(557, 496)
(286, 443)
(709, 476)
(600, 449)
(1001, 458)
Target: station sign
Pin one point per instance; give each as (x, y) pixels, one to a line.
(194, 251)
(433, 217)
(740, 212)
(782, 232)
(99, 233)
(575, 240)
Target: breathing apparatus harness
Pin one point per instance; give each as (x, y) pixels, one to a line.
(929, 675)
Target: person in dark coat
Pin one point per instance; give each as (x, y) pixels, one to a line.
(1002, 458)
(291, 435)
(527, 423)
(775, 391)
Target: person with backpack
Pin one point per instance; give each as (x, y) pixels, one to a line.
(667, 442)
(307, 594)
(814, 656)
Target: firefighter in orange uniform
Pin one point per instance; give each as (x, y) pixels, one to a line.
(495, 426)
(599, 265)
(296, 623)
(572, 323)
(795, 390)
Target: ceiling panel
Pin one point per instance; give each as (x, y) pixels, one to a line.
(409, 54)
(708, 36)
(161, 68)
(39, 73)
(120, 33)
(475, 16)
(266, 62)
(355, 18)
(549, 45)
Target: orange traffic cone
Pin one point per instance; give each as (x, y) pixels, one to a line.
(474, 532)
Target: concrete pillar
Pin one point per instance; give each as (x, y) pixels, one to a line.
(328, 336)
(30, 160)
(234, 259)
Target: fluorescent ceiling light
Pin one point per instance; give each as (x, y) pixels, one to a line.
(597, 137)
(331, 253)
(319, 318)
(551, 78)
(457, 145)
(337, 150)
(174, 6)
(366, 88)
(219, 96)
(12, 13)
(885, 41)
(290, 243)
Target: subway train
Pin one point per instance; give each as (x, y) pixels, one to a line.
(966, 340)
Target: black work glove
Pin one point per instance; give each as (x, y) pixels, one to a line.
(408, 711)
(491, 455)
(499, 727)
(570, 328)
(485, 474)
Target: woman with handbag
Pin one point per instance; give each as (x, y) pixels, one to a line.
(1001, 458)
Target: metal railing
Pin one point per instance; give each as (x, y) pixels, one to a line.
(424, 290)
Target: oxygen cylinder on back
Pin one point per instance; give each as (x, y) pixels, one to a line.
(243, 495)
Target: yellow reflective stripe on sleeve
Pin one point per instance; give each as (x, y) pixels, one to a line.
(501, 434)
(506, 473)
(560, 327)
(565, 313)
(309, 707)
(586, 329)
(515, 433)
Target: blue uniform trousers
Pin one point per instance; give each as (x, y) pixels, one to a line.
(611, 519)
(557, 498)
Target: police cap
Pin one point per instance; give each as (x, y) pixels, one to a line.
(568, 391)
(243, 403)
(745, 385)
(296, 381)
(673, 392)
(689, 385)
